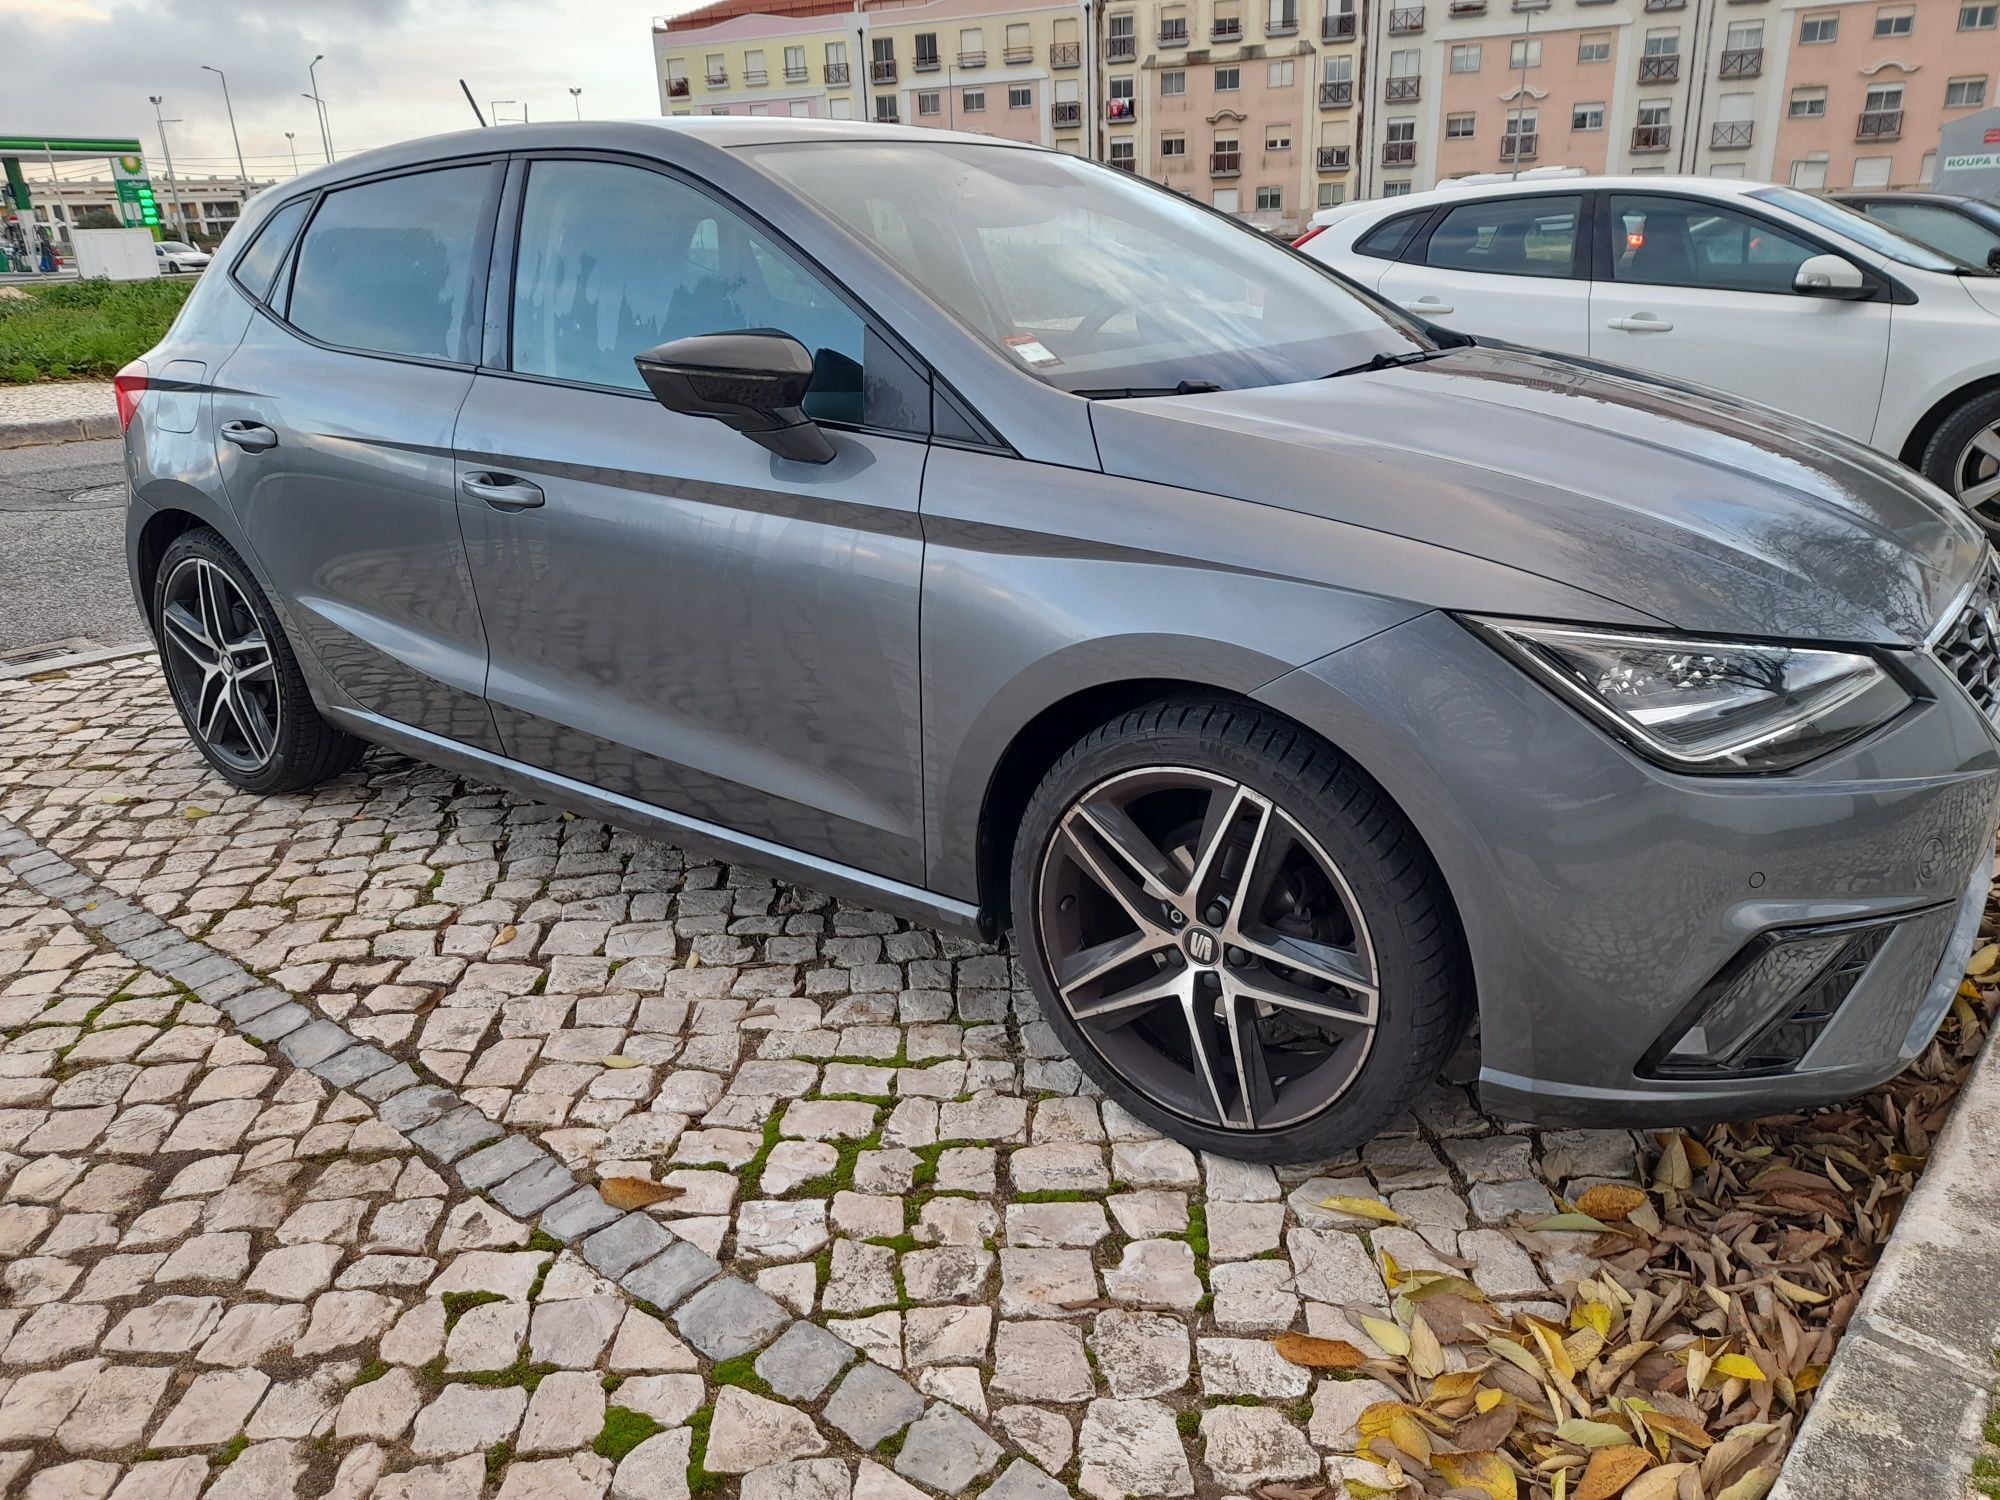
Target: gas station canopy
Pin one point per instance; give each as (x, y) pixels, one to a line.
(128, 169)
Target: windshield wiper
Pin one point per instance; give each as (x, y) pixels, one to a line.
(1391, 361)
(1138, 392)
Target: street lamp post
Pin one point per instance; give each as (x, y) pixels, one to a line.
(576, 98)
(242, 171)
(173, 186)
(319, 104)
(1520, 92)
(291, 142)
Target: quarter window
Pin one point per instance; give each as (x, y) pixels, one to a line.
(1508, 237)
(257, 265)
(616, 259)
(1388, 239)
(387, 266)
(1682, 242)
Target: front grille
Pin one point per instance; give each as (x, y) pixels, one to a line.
(1969, 649)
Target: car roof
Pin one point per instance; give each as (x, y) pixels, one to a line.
(1871, 195)
(1707, 187)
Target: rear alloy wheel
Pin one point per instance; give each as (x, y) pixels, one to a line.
(1236, 935)
(1963, 457)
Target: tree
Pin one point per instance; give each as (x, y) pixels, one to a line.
(98, 218)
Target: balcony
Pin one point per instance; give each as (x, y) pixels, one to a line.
(1879, 125)
(1119, 109)
(1402, 90)
(717, 80)
(1658, 5)
(1175, 35)
(1119, 49)
(972, 59)
(1016, 55)
(798, 74)
(1225, 163)
(887, 115)
(1529, 5)
(1066, 114)
(1065, 54)
(1406, 20)
(882, 70)
(677, 88)
(1337, 28)
(1524, 146)
(1333, 158)
(1652, 137)
(1399, 153)
(1665, 68)
(755, 78)
(1730, 135)
(1226, 29)
(1460, 8)
(1289, 26)
(836, 74)
(1337, 95)
(927, 62)
(1742, 62)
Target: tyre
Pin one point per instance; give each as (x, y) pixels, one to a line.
(233, 675)
(1963, 458)
(1236, 933)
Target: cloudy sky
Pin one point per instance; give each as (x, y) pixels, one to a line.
(391, 70)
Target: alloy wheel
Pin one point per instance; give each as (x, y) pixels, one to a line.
(1976, 477)
(220, 664)
(1208, 948)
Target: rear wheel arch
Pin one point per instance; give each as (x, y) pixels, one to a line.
(154, 538)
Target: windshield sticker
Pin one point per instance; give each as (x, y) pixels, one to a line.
(1031, 350)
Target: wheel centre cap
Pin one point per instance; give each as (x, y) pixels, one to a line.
(1201, 945)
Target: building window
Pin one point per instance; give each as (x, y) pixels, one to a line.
(1173, 31)
(1173, 145)
(1659, 44)
(1332, 194)
(885, 108)
(717, 70)
(753, 69)
(1122, 147)
(1524, 53)
(1396, 189)
(927, 52)
(972, 47)
(1895, 23)
(1278, 138)
(1465, 57)
(1978, 17)
(1927, 169)
(1173, 83)
(1226, 200)
(1278, 75)
(928, 103)
(1884, 98)
(1281, 17)
(1809, 173)
(1594, 49)
(1872, 171)
(1656, 112)
(1819, 29)
(1744, 36)
(1459, 127)
(1020, 96)
(1270, 200)
(973, 101)
(1402, 131)
(1228, 80)
(1807, 104)
(1586, 117)
(1965, 93)
(1121, 93)
(795, 65)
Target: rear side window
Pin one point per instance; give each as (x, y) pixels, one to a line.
(1389, 239)
(1508, 237)
(256, 266)
(387, 266)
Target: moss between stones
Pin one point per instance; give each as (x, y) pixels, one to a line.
(624, 1430)
(497, 1458)
(230, 1451)
(458, 1304)
(1188, 1421)
(741, 1371)
(700, 1481)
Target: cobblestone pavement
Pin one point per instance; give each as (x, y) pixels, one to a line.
(304, 1103)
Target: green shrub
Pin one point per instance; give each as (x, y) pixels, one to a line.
(74, 329)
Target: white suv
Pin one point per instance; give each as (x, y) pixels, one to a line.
(1764, 292)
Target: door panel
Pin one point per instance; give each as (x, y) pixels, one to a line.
(1504, 268)
(1701, 292)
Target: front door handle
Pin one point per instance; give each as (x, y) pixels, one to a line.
(1644, 323)
(1427, 307)
(502, 491)
(251, 437)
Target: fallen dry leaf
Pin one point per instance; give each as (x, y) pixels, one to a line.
(635, 1192)
(619, 1060)
(1317, 1353)
(1363, 1208)
(1609, 1471)
(1610, 1201)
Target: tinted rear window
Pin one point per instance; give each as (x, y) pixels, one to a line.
(1508, 237)
(256, 266)
(387, 266)
(1388, 240)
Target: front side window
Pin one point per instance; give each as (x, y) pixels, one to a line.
(1508, 237)
(1851, 225)
(387, 266)
(614, 260)
(1686, 242)
(1084, 277)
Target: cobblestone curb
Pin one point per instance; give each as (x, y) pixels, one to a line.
(1903, 1403)
(64, 412)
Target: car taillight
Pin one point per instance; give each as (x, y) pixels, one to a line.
(128, 385)
(1316, 229)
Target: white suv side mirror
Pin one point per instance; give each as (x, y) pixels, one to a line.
(1829, 276)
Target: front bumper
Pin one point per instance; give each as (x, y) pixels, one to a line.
(1600, 894)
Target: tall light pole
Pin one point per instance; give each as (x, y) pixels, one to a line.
(1521, 91)
(294, 145)
(325, 130)
(242, 171)
(576, 98)
(173, 186)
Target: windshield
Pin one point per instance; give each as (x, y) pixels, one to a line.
(1093, 280)
(1857, 227)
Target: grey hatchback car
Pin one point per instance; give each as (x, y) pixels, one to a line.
(980, 533)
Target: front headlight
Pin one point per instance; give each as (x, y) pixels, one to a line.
(1705, 705)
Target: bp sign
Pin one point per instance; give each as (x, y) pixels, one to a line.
(1969, 156)
(135, 191)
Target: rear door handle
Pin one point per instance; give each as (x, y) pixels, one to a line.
(1644, 323)
(502, 491)
(1428, 306)
(251, 437)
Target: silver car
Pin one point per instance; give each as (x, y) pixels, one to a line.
(976, 532)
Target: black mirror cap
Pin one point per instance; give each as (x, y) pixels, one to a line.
(1993, 259)
(753, 380)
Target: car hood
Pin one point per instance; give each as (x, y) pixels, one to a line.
(1704, 512)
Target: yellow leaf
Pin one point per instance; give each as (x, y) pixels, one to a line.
(1388, 1336)
(1593, 1434)
(1983, 961)
(194, 814)
(1317, 1353)
(506, 935)
(1593, 1315)
(1575, 1223)
(1486, 1472)
(1752, 1486)
(1407, 1433)
(1363, 1208)
(115, 799)
(1739, 1367)
(1610, 1201)
(616, 1060)
(1456, 1383)
(1485, 1401)
(1552, 1348)
(693, 960)
(1808, 1379)
(1610, 1470)
(1791, 1291)
(1426, 1353)
(1518, 1357)
(1392, 1274)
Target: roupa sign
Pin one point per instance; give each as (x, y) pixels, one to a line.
(1969, 156)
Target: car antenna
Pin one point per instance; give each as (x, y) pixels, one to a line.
(474, 103)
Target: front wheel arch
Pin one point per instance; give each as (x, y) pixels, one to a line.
(1919, 439)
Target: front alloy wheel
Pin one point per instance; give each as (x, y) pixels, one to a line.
(220, 665)
(1976, 476)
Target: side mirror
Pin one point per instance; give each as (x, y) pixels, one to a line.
(1993, 259)
(754, 381)
(1830, 276)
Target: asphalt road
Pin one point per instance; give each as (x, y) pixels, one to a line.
(62, 547)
